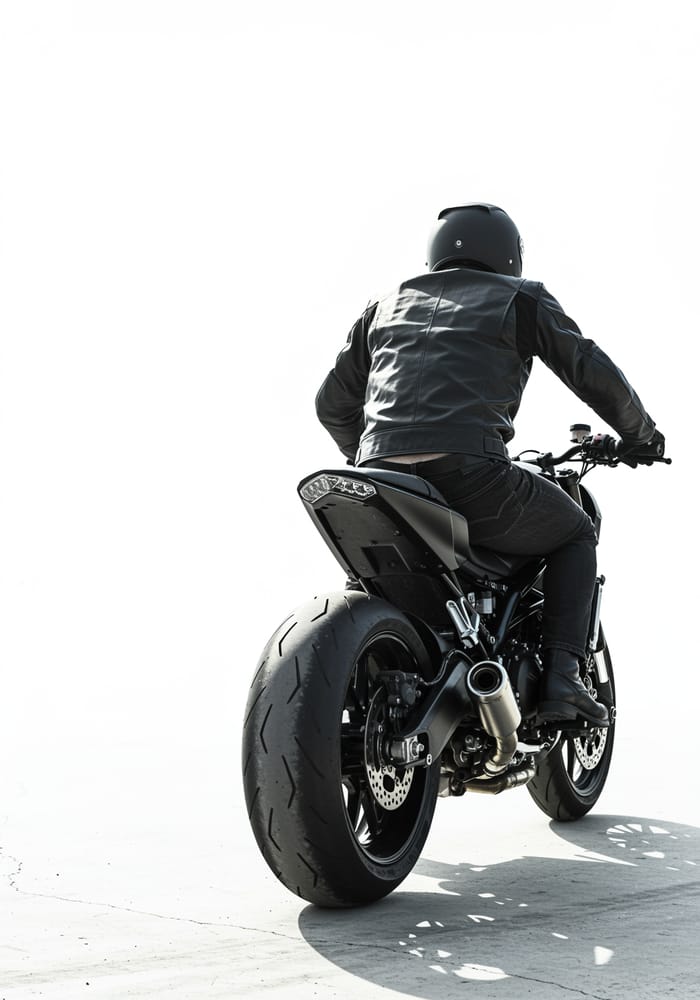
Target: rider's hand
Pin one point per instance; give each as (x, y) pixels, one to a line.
(644, 454)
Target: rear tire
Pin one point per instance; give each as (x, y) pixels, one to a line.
(570, 780)
(334, 829)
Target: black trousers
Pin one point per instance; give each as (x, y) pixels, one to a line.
(514, 511)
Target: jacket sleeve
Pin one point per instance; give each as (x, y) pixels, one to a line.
(583, 367)
(340, 400)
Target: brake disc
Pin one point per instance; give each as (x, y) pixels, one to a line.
(589, 748)
(390, 787)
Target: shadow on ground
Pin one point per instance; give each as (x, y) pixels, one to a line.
(617, 917)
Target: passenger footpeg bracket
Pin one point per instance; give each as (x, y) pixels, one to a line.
(466, 621)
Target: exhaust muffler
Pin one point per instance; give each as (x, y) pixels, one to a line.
(490, 690)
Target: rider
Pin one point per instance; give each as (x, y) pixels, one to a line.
(429, 382)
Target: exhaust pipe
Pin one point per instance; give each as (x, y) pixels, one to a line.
(513, 779)
(489, 688)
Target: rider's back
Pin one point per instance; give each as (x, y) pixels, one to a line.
(445, 371)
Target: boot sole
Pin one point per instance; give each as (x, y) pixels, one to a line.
(554, 711)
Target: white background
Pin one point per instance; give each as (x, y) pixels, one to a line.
(197, 200)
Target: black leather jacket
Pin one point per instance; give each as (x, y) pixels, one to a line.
(440, 364)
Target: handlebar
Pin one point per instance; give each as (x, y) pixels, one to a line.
(604, 449)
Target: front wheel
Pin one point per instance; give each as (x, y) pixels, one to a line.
(334, 823)
(570, 780)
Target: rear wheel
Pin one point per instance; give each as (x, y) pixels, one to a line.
(569, 781)
(333, 821)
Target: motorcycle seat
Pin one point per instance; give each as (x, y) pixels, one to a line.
(405, 480)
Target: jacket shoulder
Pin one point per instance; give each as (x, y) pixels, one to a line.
(533, 289)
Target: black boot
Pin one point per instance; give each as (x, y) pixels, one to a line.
(563, 694)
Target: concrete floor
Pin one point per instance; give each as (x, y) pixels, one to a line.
(142, 880)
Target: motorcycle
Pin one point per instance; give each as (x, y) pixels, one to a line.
(420, 681)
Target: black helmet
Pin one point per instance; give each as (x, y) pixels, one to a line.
(478, 234)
